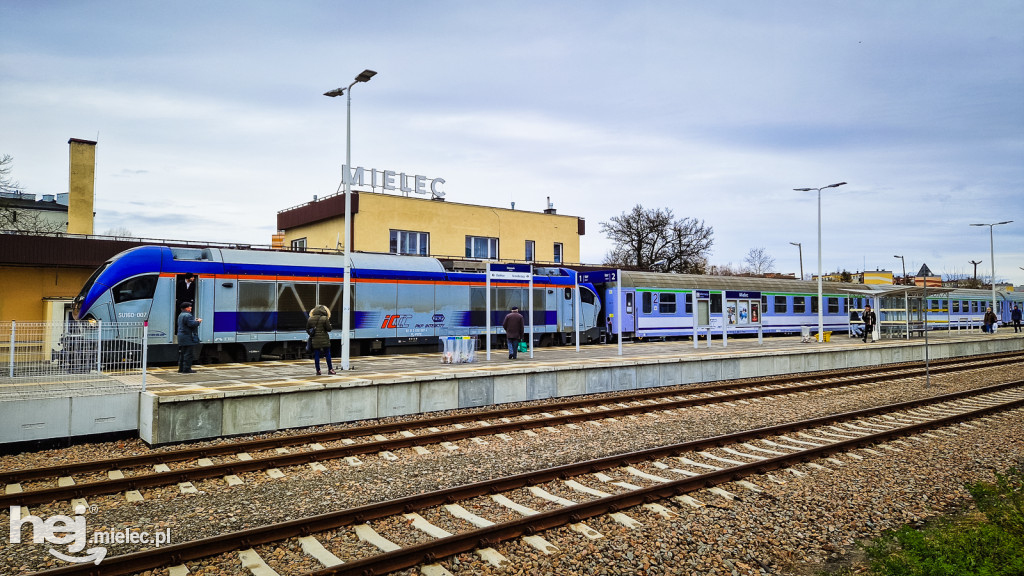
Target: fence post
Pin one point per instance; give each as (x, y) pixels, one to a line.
(10, 351)
(145, 351)
(99, 346)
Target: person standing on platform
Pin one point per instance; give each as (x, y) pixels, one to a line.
(869, 318)
(188, 337)
(1015, 316)
(989, 321)
(514, 328)
(320, 322)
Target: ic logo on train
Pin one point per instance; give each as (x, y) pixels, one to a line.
(396, 321)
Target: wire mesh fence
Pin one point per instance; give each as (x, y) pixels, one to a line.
(54, 353)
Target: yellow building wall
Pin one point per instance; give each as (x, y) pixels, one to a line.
(81, 183)
(448, 224)
(26, 293)
(878, 277)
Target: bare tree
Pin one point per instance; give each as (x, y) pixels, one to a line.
(644, 238)
(17, 218)
(759, 262)
(119, 232)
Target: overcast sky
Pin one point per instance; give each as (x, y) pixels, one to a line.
(210, 116)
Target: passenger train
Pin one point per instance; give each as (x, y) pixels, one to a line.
(254, 304)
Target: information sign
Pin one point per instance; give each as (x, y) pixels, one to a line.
(740, 294)
(597, 276)
(509, 271)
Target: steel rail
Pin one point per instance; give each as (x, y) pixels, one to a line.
(429, 552)
(94, 466)
(111, 486)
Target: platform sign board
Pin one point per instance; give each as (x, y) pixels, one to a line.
(498, 271)
(515, 273)
(702, 294)
(598, 276)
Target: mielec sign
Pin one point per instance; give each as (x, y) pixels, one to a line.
(386, 179)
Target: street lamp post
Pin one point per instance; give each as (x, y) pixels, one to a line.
(904, 269)
(346, 294)
(992, 255)
(800, 247)
(821, 315)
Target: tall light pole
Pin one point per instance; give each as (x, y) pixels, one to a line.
(992, 255)
(801, 248)
(821, 314)
(346, 293)
(904, 269)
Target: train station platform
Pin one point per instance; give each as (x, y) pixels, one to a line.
(234, 399)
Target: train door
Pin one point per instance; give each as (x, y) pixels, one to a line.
(623, 305)
(185, 290)
(566, 311)
(225, 306)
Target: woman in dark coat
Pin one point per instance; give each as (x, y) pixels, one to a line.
(320, 321)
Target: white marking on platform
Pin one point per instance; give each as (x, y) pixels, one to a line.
(312, 547)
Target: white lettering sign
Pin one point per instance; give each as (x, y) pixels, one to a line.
(385, 179)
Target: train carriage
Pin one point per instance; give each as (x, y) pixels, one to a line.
(254, 304)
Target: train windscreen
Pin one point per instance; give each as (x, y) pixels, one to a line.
(76, 304)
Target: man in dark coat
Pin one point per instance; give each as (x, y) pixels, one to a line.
(870, 320)
(514, 330)
(1015, 316)
(188, 337)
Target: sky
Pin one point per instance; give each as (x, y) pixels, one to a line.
(210, 116)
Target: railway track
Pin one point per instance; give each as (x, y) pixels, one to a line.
(115, 475)
(699, 464)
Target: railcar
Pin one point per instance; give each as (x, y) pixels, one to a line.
(254, 304)
(659, 305)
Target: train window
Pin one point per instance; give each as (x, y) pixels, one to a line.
(689, 303)
(647, 305)
(814, 304)
(716, 303)
(586, 296)
(781, 306)
(833, 305)
(294, 301)
(568, 293)
(764, 302)
(974, 306)
(954, 306)
(138, 288)
(668, 303)
(846, 306)
(799, 304)
(257, 306)
(330, 295)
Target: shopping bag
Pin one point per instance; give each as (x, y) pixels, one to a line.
(524, 347)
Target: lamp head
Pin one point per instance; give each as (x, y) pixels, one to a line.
(365, 76)
(895, 256)
(836, 185)
(335, 92)
(804, 189)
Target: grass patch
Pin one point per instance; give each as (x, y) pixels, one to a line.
(988, 541)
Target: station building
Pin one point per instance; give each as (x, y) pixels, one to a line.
(393, 221)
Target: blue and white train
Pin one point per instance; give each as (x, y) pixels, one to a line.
(254, 304)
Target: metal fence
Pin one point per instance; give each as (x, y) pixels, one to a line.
(111, 354)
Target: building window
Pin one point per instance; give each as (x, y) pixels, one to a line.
(481, 247)
(531, 250)
(299, 244)
(558, 252)
(405, 242)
